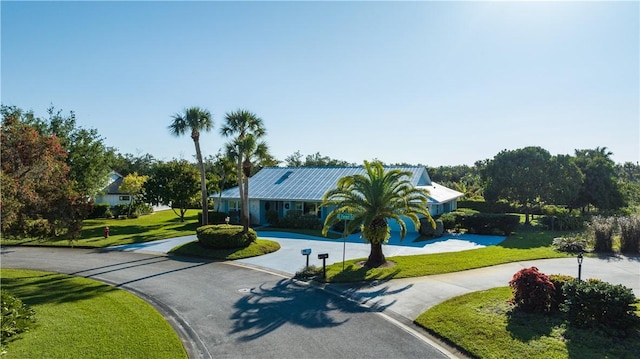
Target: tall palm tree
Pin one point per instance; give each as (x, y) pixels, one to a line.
(373, 199)
(195, 120)
(239, 125)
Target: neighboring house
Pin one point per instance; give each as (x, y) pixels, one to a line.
(111, 193)
(301, 188)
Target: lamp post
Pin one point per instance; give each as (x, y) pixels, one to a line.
(580, 258)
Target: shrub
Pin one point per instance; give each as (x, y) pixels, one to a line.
(629, 234)
(532, 290)
(602, 229)
(295, 219)
(214, 217)
(427, 230)
(571, 244)
(223, 236)
(491, 223)
(486, 206)
(272, 218)
(595, 303)
(17, 317)
(120, 210)
(562, 219)
(99, 210)
(558, 281)
(308, 272)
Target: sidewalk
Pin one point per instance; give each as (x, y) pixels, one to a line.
(409, 297)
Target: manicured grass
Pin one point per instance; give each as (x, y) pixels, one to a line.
(526, 245)
(258, 248)
(82, 318)
(151, 227)
(482, 324)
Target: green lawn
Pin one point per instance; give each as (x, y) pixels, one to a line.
(526, 245)
(82, 318)
(482, 325)
(151, 227)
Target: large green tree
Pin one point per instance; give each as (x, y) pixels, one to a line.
(195, 120)
(128, 163)
(245, 130)
(520, 176)
(38, 198)
(600, 188)
(374, 198)
(173, 183)
(88, 157)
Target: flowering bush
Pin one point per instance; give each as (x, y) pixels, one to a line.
(532, 290)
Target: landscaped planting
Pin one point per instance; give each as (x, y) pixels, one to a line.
(225, 236)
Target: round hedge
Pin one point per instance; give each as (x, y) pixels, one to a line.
(225, 236)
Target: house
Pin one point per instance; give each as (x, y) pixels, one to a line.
(111, 193)
(283, 189)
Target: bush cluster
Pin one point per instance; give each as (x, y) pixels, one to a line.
(17, 317)
(480, 223)
(99, 210)
(223, 236)
(562, 219)
(215, 217)
(586, 304)
(296, 219)
(594, 303)
(427, 230)
(532, 291)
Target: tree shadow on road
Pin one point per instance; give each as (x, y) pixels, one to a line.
(268, 307)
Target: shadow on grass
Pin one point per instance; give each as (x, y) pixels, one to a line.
(266, 308)
(53, 288)
(525, 326)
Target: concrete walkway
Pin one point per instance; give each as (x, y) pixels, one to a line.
(409, 297)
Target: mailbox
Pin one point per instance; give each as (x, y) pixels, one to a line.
(306, 251)
(323, 255)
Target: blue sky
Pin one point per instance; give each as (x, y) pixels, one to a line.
(435, 83)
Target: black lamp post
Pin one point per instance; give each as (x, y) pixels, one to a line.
(580, 258)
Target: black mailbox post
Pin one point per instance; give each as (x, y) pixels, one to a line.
(306, 252)
(324, 257)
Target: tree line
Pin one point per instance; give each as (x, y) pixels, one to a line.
(52, 168)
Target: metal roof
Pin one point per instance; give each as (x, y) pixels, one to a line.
(308, 183)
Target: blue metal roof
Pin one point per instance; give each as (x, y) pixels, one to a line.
(307, 183)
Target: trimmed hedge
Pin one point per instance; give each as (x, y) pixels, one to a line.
(297, 220)
(214, 217)
(99, 210)
(480, 223)
(223, 236)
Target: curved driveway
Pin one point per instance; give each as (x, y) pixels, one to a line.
(228, 311)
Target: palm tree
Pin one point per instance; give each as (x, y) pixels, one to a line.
(195, 119)
(239, 125)
(373, 199)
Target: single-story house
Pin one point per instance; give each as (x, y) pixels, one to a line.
(111, 193)
(301, 188)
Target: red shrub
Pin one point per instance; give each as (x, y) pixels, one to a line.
(532, 290)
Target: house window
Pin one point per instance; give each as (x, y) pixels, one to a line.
(125, 198)
(311, 208)
(299, 206)
(234, 205)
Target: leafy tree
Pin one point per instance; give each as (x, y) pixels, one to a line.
(128, 163)
(175, 183)
(599, 188)
(88, 157)
(519, 176)
(38, 199)
(245, 130)
(195, 120)
(373, 199)
(565, 180)
(314, 160)
(134, 185)
(224, 168)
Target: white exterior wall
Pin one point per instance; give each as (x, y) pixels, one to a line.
(111, 199)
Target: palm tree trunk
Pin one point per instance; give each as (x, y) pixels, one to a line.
(376, 257)
(240, 187)
(203, 184)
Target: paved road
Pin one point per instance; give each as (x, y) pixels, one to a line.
(229, 311)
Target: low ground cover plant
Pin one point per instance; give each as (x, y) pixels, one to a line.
(17, 318)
